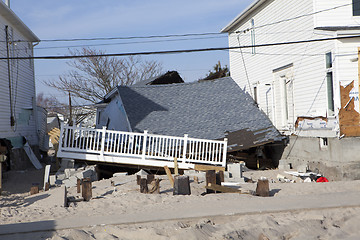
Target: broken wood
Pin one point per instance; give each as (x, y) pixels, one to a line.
(262, 188)
(150, 178)
(144, 186)
(46, 175)
(138, 179)
(34, 190)
(210, 179)
(176, 167)
(204, 168)
(86, 189)
(181, 185)
(47, 186)
(155, 186)
(223, 189)
(220, 177)
(78, 183)
(168, 173)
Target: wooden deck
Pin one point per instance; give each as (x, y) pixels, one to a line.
(143, 149)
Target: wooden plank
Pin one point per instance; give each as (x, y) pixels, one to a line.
(176, 167)
(210, 180)
(168, 173)
(143, 185)
(86, 189)
(182, 185)
(201, 167)
(223, 189)
(262, 188)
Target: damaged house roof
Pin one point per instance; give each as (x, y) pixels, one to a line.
(206, 109)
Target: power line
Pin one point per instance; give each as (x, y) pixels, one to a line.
(127, 43)
(127, 38)
(181, 51)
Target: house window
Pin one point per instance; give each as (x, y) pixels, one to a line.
(253, 36)
(329, 83)
(356, 7)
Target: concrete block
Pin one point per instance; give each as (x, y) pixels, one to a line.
(60, 176)
(284, 165)
(235, 170)
(120, 174)
(52, 180)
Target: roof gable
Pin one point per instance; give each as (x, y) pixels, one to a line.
(243, 15)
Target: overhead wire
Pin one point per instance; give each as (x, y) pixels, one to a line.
(181, 50)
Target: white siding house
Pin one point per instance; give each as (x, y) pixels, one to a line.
(300, 86)
(17, 82)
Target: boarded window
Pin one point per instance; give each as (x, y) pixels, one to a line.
(356, 7)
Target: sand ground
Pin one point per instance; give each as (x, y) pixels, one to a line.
(341, 222)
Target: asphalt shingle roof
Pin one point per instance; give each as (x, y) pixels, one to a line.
(205, 109)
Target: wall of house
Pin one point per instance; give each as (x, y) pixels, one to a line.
(23, 88)
(113, 116)
(339, 16)
(301, 67)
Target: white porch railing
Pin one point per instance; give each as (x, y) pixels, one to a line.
(138, 148)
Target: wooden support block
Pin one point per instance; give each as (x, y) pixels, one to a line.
(210, 179)
(262, 188)
(181, 185)
(223, 189)
(86, 189)
(168, 173)
(143, 186)
(155, 186)
(138, 179)
(219, 177)
(176, 167)
(47, 186)
(201, 167)
(150, 178)
(34, 190)
(78, 183)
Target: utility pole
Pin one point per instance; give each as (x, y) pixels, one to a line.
(12, 119)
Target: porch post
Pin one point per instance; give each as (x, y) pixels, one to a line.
(103, 142)
(144, 145)
(61, 138)
(185, 147)
(224, 152)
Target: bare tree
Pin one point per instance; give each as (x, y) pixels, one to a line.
(51, 104)
(93, 77)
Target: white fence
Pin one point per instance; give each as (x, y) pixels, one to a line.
(142, 148)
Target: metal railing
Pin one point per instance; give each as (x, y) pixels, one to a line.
(142, 146)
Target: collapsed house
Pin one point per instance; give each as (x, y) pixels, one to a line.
(214, 109)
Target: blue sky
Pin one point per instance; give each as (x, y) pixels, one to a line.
(50, 19)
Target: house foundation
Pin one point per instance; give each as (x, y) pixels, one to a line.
(336, 159)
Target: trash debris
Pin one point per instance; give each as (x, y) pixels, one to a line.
(322, 179)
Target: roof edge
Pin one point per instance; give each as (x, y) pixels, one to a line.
(9, 15)
(242, 15)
